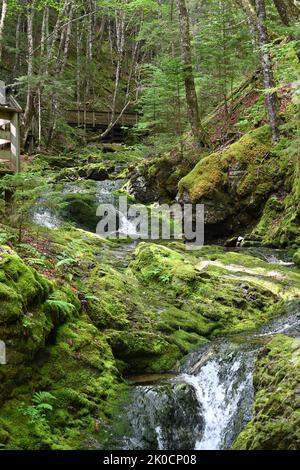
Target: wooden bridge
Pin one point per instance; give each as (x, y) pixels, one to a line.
(95, 120)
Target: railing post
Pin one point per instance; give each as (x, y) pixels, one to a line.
(2, 92)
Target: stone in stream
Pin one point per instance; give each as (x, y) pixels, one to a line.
(166, 416)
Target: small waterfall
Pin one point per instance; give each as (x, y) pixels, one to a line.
(126, 227)
(46, 218)
(105, 195)
(225, 390)
(216, 404)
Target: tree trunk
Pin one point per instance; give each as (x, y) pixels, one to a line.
(282, 11)
(2, 23)
(190, 89)
(45, 32)
(250, 12)
(61, 62)
(120, 43)
(18, 45)
(29, 110)
(289, 14)
(266, 66)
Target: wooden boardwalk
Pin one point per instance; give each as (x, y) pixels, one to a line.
(94, 120)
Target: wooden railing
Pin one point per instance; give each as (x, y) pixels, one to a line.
(83, 118)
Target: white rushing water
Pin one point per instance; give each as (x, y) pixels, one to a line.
(216, 406)
(220, 391)
(45, 218)
(126, 227)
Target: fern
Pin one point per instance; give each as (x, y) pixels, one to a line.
(66, 262)
(37, 262)
(60, 306)
(42, 398)
(41, 406)
(92, 297)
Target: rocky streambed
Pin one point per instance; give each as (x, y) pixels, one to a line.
(81, 313)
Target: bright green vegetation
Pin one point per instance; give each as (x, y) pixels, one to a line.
(75, 343)
(211, 174)
(249, 178)
(275, 424)
(78, 313)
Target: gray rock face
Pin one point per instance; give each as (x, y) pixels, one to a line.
(167, 417)
(142, 189)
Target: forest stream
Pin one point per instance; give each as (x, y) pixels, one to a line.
(149, 227)
(208, 403)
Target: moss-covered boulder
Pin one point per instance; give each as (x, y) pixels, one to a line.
(251, 183)
(81, 208)
(276, 421)
(157, 179)
(212, 291)
(280, 221)
(234, 183)
(31, 309)
(296, 257)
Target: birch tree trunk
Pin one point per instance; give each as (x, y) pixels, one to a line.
(2, 23)
(190, 89)
(266, 66)
(120, 42)
(289, 14)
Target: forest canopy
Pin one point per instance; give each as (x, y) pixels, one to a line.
(146, 56)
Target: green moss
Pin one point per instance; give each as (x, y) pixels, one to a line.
(280, 221)
(210, 175)
(296, 257)
(275, 425)
(141, 317)
(81, 208)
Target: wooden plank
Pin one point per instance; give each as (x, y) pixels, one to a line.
(5, 114)
(15, 142)
(5, 154)
(4, 141)
(5, 135)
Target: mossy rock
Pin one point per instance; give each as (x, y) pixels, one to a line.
(276, 421)
(81, 208)
(234, 183)
(31, 308)
(280, 221)
(157, 179)
(296, 257)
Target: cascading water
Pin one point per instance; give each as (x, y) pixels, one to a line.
(50, 218)
(210, 402)
(225, 390)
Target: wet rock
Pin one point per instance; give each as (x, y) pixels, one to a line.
(231, 242)
(141, 189)
(95, 172)
(166, 417)
(275, 424)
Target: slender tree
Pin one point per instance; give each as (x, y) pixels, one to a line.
(2, 22)
(288, 11)
(266, 66)
(190, 88)
(29, 109)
